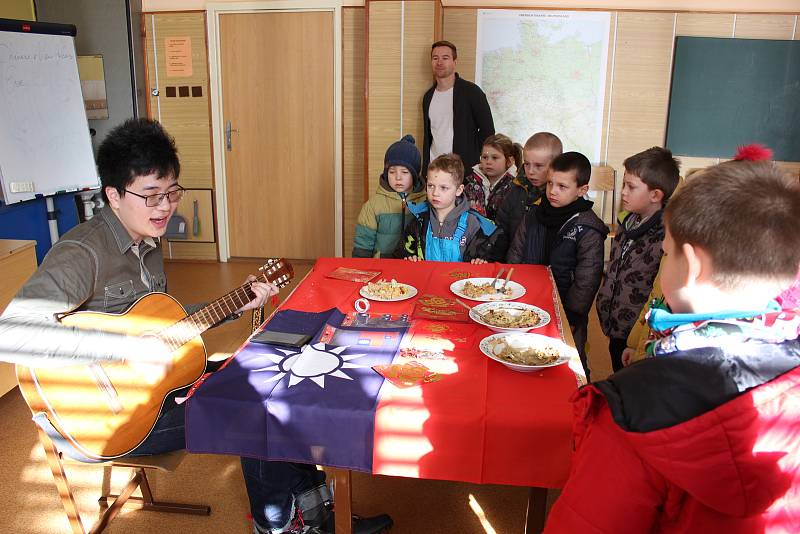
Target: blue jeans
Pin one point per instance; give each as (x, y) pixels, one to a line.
(271, 486)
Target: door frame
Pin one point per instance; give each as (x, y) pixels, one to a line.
(214, 10)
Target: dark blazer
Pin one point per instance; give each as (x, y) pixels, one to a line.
(472, 122)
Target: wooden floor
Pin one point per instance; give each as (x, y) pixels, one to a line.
(29, 502)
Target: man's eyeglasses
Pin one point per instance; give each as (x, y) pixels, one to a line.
(151, 201)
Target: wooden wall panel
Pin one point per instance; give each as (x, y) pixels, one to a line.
(461, 29)
(641, 85)
(185, 118)
(764, 26)
(417, 77)
(183, 250)
(353, 79)
(688, 163)
(790, 166)
(205, 214)
(383, 115)
(705, 24)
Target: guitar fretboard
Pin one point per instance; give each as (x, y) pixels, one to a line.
(191, 326)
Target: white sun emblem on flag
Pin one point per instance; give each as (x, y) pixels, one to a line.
(313, 362)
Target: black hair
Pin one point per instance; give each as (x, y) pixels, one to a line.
(573, 161)
(137, 147)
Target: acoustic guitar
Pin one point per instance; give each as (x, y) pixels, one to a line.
(107, 410)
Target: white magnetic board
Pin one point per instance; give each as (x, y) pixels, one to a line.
(45, 145)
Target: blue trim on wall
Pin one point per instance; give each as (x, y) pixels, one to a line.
(28, 220)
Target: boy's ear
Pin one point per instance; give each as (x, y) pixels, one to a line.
(699, 265)
(582, 190)
(657, 195)
(460, 190)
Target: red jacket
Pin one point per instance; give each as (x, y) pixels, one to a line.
(732, 469)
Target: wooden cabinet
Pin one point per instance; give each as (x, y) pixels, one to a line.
(17, 263)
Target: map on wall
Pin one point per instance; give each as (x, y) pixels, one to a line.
(545, 71)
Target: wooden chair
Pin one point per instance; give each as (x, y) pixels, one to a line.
(109, 503)
(603, 181)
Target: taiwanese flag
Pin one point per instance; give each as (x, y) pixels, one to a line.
(311, 405)
(481, 422)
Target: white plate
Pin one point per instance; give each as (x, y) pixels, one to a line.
(412, 292)
(525, 339)
(517, 290)
(514, 308)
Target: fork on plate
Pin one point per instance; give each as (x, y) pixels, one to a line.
(502, 288)
(497, 278)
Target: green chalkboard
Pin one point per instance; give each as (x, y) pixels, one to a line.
(731, 92)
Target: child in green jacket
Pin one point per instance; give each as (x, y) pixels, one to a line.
(383, 217)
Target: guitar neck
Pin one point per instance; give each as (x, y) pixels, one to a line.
(209, 315)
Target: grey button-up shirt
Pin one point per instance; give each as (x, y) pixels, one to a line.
(92, 267)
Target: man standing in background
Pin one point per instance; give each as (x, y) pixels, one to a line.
(456, 114)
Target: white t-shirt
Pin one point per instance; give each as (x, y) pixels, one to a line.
(440, 114)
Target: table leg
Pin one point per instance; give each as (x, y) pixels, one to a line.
(537, 506)
(342, 499)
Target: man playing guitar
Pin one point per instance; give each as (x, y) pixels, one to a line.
(108, 263)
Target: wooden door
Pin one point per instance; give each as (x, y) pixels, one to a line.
(277, 89)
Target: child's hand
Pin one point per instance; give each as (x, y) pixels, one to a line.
(477, 261)
(627, 355)
(412, 258)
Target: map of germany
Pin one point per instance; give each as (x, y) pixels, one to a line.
(545, 71)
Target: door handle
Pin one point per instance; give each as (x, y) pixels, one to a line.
(228, 131)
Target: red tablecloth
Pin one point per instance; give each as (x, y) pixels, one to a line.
(482, 422)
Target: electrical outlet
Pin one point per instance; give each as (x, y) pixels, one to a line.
(21, 187)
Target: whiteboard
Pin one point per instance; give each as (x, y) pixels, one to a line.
(45, 145)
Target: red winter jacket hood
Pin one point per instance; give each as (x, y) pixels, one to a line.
(732, 469)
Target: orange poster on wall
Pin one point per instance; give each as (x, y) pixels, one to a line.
(179, 56)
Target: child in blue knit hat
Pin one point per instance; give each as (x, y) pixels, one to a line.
(386, 213)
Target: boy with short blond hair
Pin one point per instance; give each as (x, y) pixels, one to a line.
(650, 179)
(444, 227)
(530, 183)
(564, 233)
(703, 436)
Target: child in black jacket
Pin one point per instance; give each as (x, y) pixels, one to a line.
(564, 233)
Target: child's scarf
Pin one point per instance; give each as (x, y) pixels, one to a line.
(671, 332)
